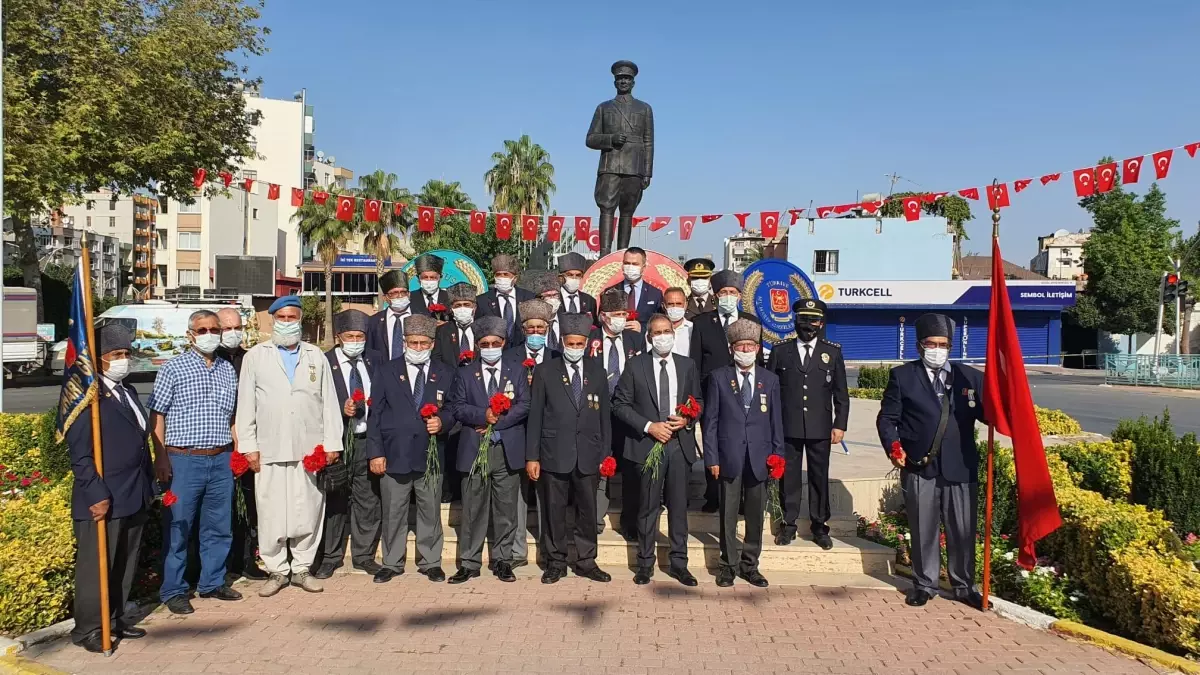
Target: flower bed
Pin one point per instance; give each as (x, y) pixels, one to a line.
(874, 394)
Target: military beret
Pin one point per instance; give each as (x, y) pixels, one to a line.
(419, 324)
(808, 307)
(462, 291)
(285, 301)
(726, 279)
(575, 324)
(486, 326)
(572, 261)
(540, 281)
(348, 320)
(505, 263)
(393, 279)
(744, 329)
(427, 262)
(934, 325)
(536, 309)
(700, 268)
(113, 336)
(613, 300)
(620, 66)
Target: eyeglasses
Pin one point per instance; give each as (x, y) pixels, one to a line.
(935, 345)
(206, 331)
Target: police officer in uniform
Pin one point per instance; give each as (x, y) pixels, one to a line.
(812, 379)
(701, 297)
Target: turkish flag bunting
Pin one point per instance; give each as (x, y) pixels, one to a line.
(593, 240)
(970, 193)
(398, 208)
(741, 218)
(247, 184)
(446, 212)
(583, 227)
(795, 214)
(638, 220)
(226, 178)
(554, 227)
(297, 197)
(320, 197)
(769, 222)
(425, 218)
(824, 211)
(659, 223)
(371, 209)
(346, 205)
(1021, 184)
(997, 196)
(1131, 169)
(686, 223)
(1009, 406)
(503, 225)
(871, 207)
(1085, 182)
(529, 227)
(1162, 163)
(1192, 148)
(912, 208)
(1106, 176)
(843, 208)
(198, 178)
(711, 217)
(934, 196)
(1050, 178)
(478, 222)
(272, 191)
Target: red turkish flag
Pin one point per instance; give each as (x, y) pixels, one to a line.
(741, 218)
(1131, 170)
(1162, 163)
(247, 184)
(320, 197)
(1008, 405)
(711, 217)
(997, 196)
(398, 209)
(583, 227)
(346, 205)
(198, 178)
(297, 197)
(446, 212)
(871, 207)
(478, 222)
(659, 223)
(970, 193)
(769, 222)
(425, 218)
(554, 227)
(824, 211)
(637, 220)
(593, 240)
(272, 191)
(795, 214)
(1050, 178)
(226, 178)
(686, 224)
(1019, 185)
(529, 227)
(503, 225)
(1085, 182)
(1106, 176)
(912, 208)
(371, 209)
(933, 197)
(1191, 149)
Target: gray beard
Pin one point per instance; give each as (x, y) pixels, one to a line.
(282, 341)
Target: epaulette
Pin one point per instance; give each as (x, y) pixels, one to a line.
(831, 343)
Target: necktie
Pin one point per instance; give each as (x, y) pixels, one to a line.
(419, 385)
(552, 337)
(807, 354)
(614, 364)
(576, 385)
(938, 385)
(630, 301)
(747, 391)
(491, 391)
(356, 384)
(464, 342)
(664, 391)
(509, 317)
(397, 337)
(725, 320)
(574, 304)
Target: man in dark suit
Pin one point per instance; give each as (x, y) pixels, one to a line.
(926, 423)
(491, 473)
(455, 338)
(504, 298)
(429, 275)
(651, 388)
(355, 512)
(120, 498)
(812, 381)
(397, 443)
(571, 267)
(700, 296)
(641, 299)
(386, 332)
(568, 436)
(743, 425)
(710, 348)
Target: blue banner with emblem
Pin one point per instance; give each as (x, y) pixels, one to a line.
(456, 268)
(79, 375)
(769, 289)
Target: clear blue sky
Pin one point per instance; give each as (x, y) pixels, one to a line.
(758, 106)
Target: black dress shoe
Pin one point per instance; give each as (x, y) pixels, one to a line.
(595, 574)
(253, 572)
(682, 576)
(755, 579)
(552, 575)
(711, 507)
(643, 576)
(325, 570)
(130, 633)
(518, 563)
(725, 578)
(970, 599)
(463, 575)
(504, 573)
(784, 538)
(370, 567)
(223, 593)
(386, 574)
(823, 541)
(917, 598)
(180, 605)
(434, 574)
(92, 643)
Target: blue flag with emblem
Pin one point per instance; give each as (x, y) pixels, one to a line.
(79, 374)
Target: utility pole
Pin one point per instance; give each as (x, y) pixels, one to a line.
(1162, 300)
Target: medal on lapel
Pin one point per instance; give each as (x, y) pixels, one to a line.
(762, 401)
(508, 390)
(312, 372)
(970, 393)
(439, 396)
(824, 357)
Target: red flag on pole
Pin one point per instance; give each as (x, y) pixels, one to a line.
(997, 196)
(346, 205)
(529, 227)
(425, 218)
(686, 225)
(371, 209)
(478, 222)
(659, 223)
(1162, 163)
(297, 197)
(1008, 405)
(769, 222)
(554, 227)
(1131, 170)
(583, 228)
(1106, 176)
(198, 178)
(272, 191)
(503, 225)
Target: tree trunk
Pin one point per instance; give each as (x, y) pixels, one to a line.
(378, 276)
(30, 270)
(328, 332)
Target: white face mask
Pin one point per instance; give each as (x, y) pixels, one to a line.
(353, 349)
(699, 286)
(464, 315)
(935, 358)
(430, 286)
(727, 304)
(676, 314)
(284, 334)
(399, 305)
(573, 355)
(207, 344)
(491, 354)
(632, 272)
(504, 284)
(745, 359)
(231, 339)
(417, 358)
(663, 344)
(554, 302)
(117, 369)
(571, 285)
(616, 324)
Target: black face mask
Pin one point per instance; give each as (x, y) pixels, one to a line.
(807, 331)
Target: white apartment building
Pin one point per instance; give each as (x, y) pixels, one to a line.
(1060, 255)
(129, 219)
(59, 241)
(738, 249)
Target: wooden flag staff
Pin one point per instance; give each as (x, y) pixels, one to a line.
(991, 444)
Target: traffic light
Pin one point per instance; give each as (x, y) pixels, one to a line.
(1181, 288)
(1170, 288)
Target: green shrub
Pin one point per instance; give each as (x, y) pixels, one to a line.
(1100, 467)
(873, 377)
(1056, 422)
(37, 560)
(859, 392)
(27, 444)
(1165, 470)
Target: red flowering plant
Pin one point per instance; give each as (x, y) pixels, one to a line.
(239, 466)
(688, 410)
(169, 499)
(608, 468)
(498, 404)
(438, 310)
(465, 356)
(775, 468)
(529, 363)
(359, 398)
(897, 452)
(631, 316)
(433, 465)
(315, 460)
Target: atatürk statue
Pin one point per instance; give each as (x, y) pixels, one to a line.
(623, 131)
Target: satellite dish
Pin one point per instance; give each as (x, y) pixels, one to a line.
(872, 197)
(1061, 233)
(320, 154)
(332, 159)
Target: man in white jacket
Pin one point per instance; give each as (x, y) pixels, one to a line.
(287, 409)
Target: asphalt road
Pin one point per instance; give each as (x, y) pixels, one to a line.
(1080, 394)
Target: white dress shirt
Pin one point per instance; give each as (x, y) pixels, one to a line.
(412, 375)
(124, 397)
(683, 338)
(392, 318)
(537, 356)
(360, 424)
(608, 346)
(510, 298)
(466, 338)
(566, 300)
(672, 383)
(812, 344)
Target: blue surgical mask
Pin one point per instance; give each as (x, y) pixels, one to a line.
(491, 354)
(353, 349)
(285, 333)
(535, 341)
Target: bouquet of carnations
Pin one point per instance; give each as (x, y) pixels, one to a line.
(498, 404)
(433, 465)
(775, 467)
(239, 466)
(690, 411)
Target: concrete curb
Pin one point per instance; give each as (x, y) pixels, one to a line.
(17, 665)
(11, 647)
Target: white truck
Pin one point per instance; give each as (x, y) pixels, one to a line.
(24, 351)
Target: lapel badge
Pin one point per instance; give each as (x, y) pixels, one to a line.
(970, 397)
(312, 372)
(439, 397)
(762, 402)
(824, 357)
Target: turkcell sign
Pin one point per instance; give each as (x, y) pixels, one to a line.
(960, 294)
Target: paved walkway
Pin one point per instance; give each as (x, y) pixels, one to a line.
(484, 626)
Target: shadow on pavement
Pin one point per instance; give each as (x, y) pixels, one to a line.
(437, 618)
(367, 622)
(588, 612)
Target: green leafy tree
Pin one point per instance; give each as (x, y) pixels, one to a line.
(521, 179)
(382, 239)
(454, 232)
(317, 224)
(122, 94)
(313, 315)
(955, 209)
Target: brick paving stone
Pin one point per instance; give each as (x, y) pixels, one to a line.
(413, 626)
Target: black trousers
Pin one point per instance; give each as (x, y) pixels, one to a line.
(553, 490)
(671, 487)
(745, 489)
(124, 542)
(792, 486)
(357, 514)
(245, 530)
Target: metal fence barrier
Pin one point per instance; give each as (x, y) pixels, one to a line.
(1165, 370)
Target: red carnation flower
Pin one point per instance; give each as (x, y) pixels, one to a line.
(169, 498)
(689, 410)
(25, 482)
(499, 403)
(897, 451)
(36, 474)
(465, 356)
(608, 468)
(45, 479)
(528, 363)
(315, 460)
(238, 463)
(775, 466)
(632, 316)
(370, 402)
(429, 410)
(358, 396)
(437, 307)
(10, 476)
(3, 468)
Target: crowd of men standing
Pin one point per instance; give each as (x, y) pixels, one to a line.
(518, 396)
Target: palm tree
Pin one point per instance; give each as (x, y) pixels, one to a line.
(380, 238)
(439, 193)
(317, 225)
(521, 179)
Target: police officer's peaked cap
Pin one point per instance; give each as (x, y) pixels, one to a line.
(809, 307)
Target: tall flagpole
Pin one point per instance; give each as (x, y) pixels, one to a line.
(85, 281)
(991, 470)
